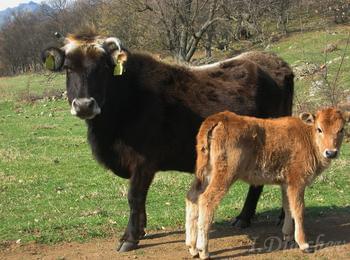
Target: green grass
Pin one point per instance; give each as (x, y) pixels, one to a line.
(30, 85)
(52, 190)
(309, 47)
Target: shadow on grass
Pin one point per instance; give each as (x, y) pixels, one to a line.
(324, 226)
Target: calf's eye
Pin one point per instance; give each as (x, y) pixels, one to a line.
(319, 130)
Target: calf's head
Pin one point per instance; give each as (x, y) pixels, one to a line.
(91, 62)
(328, 126)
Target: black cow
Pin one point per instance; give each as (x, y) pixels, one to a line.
(143, 115)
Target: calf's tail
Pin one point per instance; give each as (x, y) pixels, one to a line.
(204, 139)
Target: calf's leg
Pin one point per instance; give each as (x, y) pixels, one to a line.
(288, 226)
(192, 216)
(244, 218)
(296, 201)
(207, 203)
(139, 185)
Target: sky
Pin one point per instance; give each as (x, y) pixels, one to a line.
(12, 3)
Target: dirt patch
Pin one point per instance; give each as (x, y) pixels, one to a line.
(330, 235)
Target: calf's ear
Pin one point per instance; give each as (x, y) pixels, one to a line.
(346, 116)
(53, 58)
(308, 118)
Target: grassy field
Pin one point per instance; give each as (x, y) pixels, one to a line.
(52, 190)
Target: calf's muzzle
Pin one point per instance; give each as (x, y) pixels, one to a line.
(330, 154)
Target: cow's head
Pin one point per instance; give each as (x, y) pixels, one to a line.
(328, 126)
(90, 61)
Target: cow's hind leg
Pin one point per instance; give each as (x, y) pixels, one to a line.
(244, 218)
(192, 216)
(139, 185)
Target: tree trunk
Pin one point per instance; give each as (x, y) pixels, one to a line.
(209, 41)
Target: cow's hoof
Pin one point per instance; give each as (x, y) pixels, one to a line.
(126, 246)
(240, 223)
(291, 244)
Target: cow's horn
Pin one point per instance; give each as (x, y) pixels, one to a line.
(113, 44)
(59, 36)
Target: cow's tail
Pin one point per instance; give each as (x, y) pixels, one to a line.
(288, 93)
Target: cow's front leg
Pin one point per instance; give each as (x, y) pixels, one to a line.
(139, 185)
(248, 211)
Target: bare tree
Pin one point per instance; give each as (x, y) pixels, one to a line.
(184, 23)
(279, 9)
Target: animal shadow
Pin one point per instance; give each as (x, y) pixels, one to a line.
(324, 226)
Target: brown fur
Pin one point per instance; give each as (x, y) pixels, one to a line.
(286, 151)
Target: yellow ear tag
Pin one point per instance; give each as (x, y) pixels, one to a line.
(119, 58)
(50, 62)
(118, 69)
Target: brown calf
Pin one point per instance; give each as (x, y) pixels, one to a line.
(284, 151)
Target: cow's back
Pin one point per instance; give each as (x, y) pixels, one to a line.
(242, 86)
(279, 71)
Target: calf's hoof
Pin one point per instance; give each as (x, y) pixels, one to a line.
(193, 252)
(305, 248)
(308, 250)
(241, 223)
(125, 246)
(203, 254)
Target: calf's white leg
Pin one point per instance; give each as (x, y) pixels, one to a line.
(296, 201)
(191, 226)
(207, 203)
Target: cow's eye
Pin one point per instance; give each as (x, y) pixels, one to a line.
(319, 130)
(341, 131)
(67, 68)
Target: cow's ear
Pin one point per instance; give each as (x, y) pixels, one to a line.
(346, 116)
(118, 60)
(53, 58)
(308, 118)
(114, 48)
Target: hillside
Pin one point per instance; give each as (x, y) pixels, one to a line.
(321, 62)
(25, 7)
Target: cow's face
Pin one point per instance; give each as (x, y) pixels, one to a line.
(90, 64)
(328, 126)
